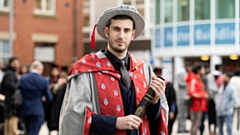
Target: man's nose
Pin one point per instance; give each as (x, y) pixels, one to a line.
(121, 34)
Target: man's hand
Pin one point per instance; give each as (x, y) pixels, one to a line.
(129, 122)
(158, 86)
(171, 115)
(2, 97)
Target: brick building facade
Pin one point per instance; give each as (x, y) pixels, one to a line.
(47, 30)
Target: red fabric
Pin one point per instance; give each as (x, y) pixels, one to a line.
(88, 121)
(110, 99)
(163, 130)
(93, 37)
(219, 81)
(197, 92)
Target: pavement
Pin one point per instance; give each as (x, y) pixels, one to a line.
(44, 130)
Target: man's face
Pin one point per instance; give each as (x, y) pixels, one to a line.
(202, 70)
(15, 64)
(225, 78)
(188, 68)
(1, 65)
(119, 33)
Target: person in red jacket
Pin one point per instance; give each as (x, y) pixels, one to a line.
(198, 96)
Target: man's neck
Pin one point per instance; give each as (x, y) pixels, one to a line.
(35, 71)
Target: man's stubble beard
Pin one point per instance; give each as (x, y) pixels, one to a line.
(116, 49)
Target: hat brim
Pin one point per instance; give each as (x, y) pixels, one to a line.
(137, 18)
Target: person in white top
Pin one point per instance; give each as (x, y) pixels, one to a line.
(235, 81)
(2, 97)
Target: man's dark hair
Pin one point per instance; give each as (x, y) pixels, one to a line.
(12, 59)
(157, 70)
(197, 67)
(218, 66)
(229, 74)
(188, 64)
(120, 17)
(237, 72)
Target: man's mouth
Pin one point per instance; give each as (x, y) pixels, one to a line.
(120, 42)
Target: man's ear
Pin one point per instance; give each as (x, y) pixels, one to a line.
(133, 34)
(106, 31)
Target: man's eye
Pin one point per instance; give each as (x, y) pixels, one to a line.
(127, 30)
(117, 29)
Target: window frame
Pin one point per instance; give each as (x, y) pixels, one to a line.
(44, 10)
(4, 8)
(182, 14)
(4, 56)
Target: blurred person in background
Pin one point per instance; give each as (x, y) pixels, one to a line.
(171, 100)
(9, 86)
(54, 76)
(212, 91)
(1, 70)
(225, 101)
(182, 94)
(58, 94)
(24, 69)
(198, 96)
(205, 113)
(235, 81)
(53, 79)
(2, 98)
(33, 87)
(218, 75)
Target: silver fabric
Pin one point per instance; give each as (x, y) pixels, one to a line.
(81, 92)
(78, 96)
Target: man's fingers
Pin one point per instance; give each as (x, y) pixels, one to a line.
(135, 118)
(133, 125)
(134, 122)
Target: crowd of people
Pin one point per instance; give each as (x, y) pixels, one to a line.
(28, 98)
(201, 94)
(204, 95)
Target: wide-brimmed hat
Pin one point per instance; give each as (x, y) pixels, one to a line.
(121, 10)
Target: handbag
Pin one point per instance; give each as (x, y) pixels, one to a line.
(188, 101)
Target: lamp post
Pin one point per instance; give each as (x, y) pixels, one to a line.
(75, 30)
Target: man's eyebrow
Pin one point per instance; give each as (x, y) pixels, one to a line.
(120, 28)
(116, 26)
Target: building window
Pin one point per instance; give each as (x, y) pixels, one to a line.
(127, 2)
(168, 11)
(183, 10)
(86, 13)
(225, 9)
(139, 2)
(202, 9)
(86, 19)
(157, 14)
(4, 5)
(140, 7)
(5, 50)
(141, 11)
(45, 7)
(44, 52)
